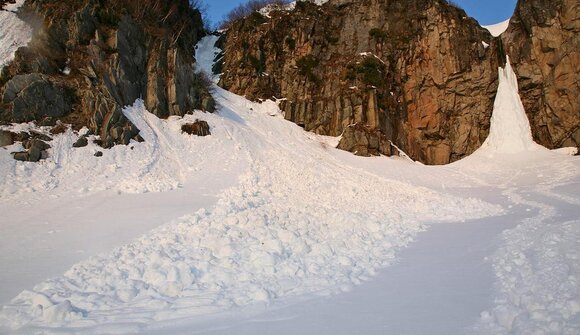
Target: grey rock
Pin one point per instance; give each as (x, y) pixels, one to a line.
(6, 138)
(34, 97)
(81, 142)
(20, 156)
(34, 154)
(36, 151)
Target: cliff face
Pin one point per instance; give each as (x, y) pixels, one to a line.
(414, 73)
(543, 41)
(89, 58)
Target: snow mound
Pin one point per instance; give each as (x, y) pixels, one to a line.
(510, 130)
(14, 33)
(498, 28)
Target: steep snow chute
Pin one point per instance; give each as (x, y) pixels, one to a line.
(510, 130)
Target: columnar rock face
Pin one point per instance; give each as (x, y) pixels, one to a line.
(89, 58)
(416, 71)
(543, 42)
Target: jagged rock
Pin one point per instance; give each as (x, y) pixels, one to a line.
(415, 70)
(99, 154)
(543, 42)
(116, 54)
(81, 142)
(363, 140)
(199, 128)
(6, 138)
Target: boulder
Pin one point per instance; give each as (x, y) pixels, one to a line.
(20, 156)
(365, 141)
(199, 128)
(35, 97)
(81, 142)
(36, 150)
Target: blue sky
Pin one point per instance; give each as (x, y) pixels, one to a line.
(485, 11)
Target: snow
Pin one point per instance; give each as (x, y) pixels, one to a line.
(510, 130)
(267, 238)
(288, 7)
(264, 228)
(14, 34)
(498, 28)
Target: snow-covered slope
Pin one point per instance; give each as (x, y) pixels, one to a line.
(296, 218)
(275, 235)
(14, 32)
(498, 28)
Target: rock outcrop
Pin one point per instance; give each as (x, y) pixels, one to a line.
(543, 42)
(90, 58)
(416, 71)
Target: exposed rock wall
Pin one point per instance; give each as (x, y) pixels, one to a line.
(89, 58)
(416, 71)
(543, 42)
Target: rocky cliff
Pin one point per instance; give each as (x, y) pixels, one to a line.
(89, 58)
(543, 41)
(418, 73)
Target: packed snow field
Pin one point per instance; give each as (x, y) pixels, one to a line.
(264, 214)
